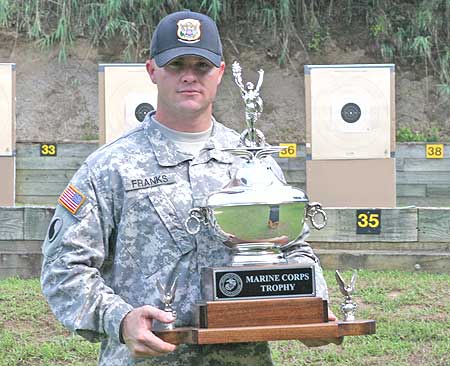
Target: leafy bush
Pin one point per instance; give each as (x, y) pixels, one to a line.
(405, 134)
(412, 32)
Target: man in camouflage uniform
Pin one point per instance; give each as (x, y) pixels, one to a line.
(119, 225)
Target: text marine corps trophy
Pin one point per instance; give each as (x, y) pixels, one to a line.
(263, 294)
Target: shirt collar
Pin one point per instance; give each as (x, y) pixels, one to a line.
(167, 153)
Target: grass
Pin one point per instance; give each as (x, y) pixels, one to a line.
(413, 323)
(412, 312)
(30, 335)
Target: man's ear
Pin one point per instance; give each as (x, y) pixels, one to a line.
(221, 71)
(150, 66)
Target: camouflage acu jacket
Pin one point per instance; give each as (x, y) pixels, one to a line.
(119, 228)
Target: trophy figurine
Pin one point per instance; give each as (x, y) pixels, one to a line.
(251, 137)
(167, 297)
(263, 293)
(348, 307)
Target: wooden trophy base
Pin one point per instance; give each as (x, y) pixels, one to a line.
(265, 320)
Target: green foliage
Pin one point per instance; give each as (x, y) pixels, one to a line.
(4, 10)
(414, 32)
(214, 8)
(410, 32)
(405, 134)
(59, 23)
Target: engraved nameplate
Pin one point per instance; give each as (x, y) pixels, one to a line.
(255, 282)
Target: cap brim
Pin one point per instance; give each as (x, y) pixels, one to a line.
(165, 57)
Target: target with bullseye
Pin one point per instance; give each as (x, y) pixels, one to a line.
(127, 95)
(350, 111)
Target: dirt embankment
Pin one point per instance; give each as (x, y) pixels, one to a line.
(59, 101)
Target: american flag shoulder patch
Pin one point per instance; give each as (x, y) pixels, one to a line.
(72, 199)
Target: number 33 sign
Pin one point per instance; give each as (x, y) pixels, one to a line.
(368, 221)
(48, 149)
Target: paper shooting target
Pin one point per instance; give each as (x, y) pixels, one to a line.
(7, 113)
(126, 96)
(350, 111)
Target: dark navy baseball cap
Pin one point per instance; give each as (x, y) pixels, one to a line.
(186, 33)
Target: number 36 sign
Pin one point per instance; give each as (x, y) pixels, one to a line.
(290, 151)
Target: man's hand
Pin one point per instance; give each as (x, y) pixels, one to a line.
(323, 342)
(137, 332)
(331, 316)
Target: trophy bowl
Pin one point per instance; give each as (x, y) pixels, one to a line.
(255, 214)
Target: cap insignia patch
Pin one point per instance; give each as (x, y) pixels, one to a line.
(188, 30)
(72, 199)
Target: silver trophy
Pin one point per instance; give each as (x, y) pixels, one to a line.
(167, 293)
(348, 307)
(266, 291)
(256, 214)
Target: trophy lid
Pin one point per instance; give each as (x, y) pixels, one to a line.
(237, 196)
(255, 183)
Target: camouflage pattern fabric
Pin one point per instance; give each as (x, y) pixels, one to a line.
(104, 260)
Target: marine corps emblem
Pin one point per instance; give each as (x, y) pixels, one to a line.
(230, 284)
(188, 30)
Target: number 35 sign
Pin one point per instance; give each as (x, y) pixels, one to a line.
(368, 221)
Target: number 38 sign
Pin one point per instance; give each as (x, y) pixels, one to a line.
(435, 151)
(368, 221)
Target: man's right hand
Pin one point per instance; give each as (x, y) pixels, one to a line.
(137, 332)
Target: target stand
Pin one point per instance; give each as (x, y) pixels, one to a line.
(7, 136)
(350, 135)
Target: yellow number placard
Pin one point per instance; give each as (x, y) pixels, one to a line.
(48, 150)
(289, 152)
(368, 221)
(435, 151)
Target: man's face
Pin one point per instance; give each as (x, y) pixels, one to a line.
(187, 85)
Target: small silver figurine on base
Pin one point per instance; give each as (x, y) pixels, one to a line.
(251, 137)
(348, 307)
(167, 297)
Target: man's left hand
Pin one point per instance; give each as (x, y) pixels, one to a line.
(323, 342)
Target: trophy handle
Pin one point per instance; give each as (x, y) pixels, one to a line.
(313, 210)
(197, 217)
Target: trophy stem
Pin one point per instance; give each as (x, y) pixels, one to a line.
(257, 253)
(348, 309)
